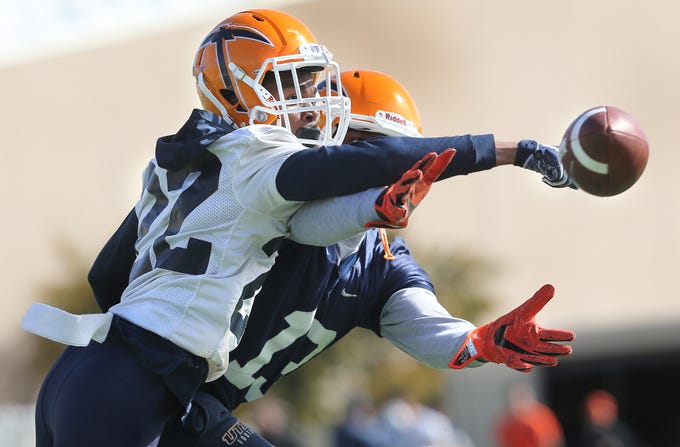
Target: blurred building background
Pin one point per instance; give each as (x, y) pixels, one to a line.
(79, 123)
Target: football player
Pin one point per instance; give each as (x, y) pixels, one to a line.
(215, 206)
(217, 203)
(313, 296)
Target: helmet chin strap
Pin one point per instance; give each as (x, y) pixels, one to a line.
(208, 94)
(240, 74)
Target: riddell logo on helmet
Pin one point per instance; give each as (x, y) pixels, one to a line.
(395, 118)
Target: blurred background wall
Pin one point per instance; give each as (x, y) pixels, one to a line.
(79, 124)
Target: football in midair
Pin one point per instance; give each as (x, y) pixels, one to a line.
(604, 151)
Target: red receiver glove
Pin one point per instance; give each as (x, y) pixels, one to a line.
(396, 203)
(515, 339)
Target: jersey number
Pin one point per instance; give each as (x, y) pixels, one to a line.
(193, 259)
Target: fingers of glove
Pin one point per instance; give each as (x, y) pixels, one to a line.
(407, 179)
(403, 187)
(560, 183)
(425, 162)
(393, 203)
(525, 362)
(540, 360)
(519, 364)
(404, 190)
(547, 161)
(528, 310)
(548, 154)
(555, 334)
(553, 173)
(420, 190)
(430, 174)
(435, 169)
(525, 340)
(552, 349)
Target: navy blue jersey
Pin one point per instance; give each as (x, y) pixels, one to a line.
(311, 299)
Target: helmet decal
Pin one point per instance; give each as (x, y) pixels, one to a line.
(229, 33)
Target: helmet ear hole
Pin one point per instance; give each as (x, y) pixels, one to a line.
(229, 95)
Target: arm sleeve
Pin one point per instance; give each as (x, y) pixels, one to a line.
(415, 322)
(110, 273)
(332, 171)
(323, 222)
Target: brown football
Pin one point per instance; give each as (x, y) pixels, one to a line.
(605, 151)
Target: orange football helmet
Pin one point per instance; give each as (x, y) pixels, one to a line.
(380, 104)
(232, 61)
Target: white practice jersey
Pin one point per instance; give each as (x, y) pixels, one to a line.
(208, 233)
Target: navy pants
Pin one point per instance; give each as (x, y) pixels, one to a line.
(106, 395)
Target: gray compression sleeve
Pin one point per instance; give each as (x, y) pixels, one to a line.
(415, 322)
(324, 222)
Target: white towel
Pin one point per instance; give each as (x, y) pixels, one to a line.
(63, 327)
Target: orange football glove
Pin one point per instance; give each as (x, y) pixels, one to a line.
(515, 339)
(396, 203)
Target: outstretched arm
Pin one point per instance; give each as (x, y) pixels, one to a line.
(320, 173)
(323, 222)
(340, 170)
(416, 322)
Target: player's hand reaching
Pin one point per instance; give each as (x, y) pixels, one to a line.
(515, 339)
(396, 203)
(545, 160)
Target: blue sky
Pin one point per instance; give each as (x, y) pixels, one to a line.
(31, 29)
